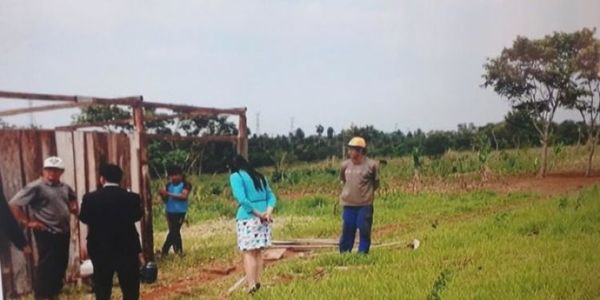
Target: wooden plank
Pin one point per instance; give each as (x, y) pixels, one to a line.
(100, 149)
(48, 143)
(31, 155)
(81, 99)
(199, 139)
(31, 164)
(242, 144)
(10, 169)
(91, 163)
(18, 111)
(123, 158)
(189, 108)
(65, 150)
(80, 181)
(135, 170)
(145, 193)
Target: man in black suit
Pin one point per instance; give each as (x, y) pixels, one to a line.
(113, 242)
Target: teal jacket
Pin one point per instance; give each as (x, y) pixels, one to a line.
(248, 197)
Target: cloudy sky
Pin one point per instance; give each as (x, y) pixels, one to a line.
(392, 64)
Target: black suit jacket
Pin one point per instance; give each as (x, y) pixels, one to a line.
(111, 213)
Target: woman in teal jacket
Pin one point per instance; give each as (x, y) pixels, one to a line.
(254, 216)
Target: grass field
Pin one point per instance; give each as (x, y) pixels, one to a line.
(478, 244)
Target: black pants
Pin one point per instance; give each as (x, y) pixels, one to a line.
(53, 251)
(175, 221)
(127, 268)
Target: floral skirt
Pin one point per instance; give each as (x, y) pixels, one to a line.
(253, 234)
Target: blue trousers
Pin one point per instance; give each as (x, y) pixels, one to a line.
(356, 217)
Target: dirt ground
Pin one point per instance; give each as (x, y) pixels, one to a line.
(551, 185)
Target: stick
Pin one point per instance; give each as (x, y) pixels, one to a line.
(236, 285)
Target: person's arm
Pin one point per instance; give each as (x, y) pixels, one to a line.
(23, 198)
(184, 194)
(375, 176)
(137, 208)
(85, 214)
(73, 205)
(271, 202)
(9, 224)
(343, 173)
(237, 189)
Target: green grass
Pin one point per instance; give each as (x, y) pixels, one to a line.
(478, 245)
(475, 245)
(537, 249)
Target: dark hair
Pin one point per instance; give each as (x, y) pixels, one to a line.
(174, 170)
(112, 173)
(238, 163)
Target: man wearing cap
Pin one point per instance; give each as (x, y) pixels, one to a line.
(50, 202)
(360, 179)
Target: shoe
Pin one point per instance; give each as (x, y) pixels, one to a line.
(254, 289)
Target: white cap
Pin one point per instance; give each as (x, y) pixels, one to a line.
(54, 162)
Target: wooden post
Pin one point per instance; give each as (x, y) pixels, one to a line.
(242, 145)
(146, 228)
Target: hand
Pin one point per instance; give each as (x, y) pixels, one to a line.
(163, 193)
(83, 252)
(73, 208)
(27, 251)
(36, 225)
(267, 218)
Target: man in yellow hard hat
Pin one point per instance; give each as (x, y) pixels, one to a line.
(360, 178)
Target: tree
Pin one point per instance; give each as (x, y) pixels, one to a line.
(535, 77)
(330, 132)
(587, 63)
(320, 130)
(520, 126)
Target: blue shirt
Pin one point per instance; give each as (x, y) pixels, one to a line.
(248, 197)
(175, 205)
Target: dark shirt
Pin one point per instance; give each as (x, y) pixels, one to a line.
(9, 229)
(111, 213)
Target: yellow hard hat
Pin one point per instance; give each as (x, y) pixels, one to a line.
(357, 142)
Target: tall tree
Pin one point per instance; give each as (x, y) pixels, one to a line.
(535, 76)
(587, 63)
(320, 130)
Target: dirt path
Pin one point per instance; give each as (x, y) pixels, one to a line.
(553, 184)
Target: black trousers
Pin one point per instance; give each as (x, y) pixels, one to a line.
(53, 251)
(175, 221)
(127, 268)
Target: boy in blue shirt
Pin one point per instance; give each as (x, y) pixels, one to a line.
(175, 195)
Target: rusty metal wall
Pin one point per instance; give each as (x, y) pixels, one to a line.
(21, 156)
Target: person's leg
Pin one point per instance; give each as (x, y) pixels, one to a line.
(102, 278)
(177, 243)
(250, 267)
(128, 271)
(348, 229)
(259, 264)
(44, 279)
(365, 223)
(61, 256)
(169, 240)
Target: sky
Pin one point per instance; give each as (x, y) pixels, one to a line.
(391, 64)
